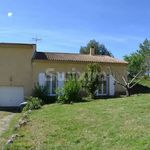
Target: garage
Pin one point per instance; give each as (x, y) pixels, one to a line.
(11, 96)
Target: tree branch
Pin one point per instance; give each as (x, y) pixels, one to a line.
(135, 77)
(123, 78)
(136, 82)
(118, 82)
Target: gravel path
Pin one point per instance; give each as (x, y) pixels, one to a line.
(4, 122)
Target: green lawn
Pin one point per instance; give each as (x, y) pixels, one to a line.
(145, 82)
(114, 124)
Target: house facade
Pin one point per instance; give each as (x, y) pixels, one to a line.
(22, 67)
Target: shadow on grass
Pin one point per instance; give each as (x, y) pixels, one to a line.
(140, 89)
(88, 99)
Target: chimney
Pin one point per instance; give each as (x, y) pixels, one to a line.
(92, 51)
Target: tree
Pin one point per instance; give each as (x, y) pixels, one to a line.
(145, 53)
(136, 62)
(126, 84)
(140, 59)
(90, 80)
(100, 49)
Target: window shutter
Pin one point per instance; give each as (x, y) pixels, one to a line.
(42, 79)
(61, 78)
(111, 85)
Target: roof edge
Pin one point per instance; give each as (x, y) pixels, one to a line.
(54, 60)
(24, 44)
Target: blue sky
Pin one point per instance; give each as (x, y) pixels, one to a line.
(65, 25)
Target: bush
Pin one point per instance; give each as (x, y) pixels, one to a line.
(32, 103)
(69, 93)
(91, 79)
(42, 92)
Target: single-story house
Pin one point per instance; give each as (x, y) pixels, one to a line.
(22, 66)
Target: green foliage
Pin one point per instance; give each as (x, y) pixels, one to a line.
(136, 63)
(145, 53)
(145, 81)
(144, 48)
(90, 80)
(70, 92)
(42, 93)
(100, 48)
(32, 103)
(146, 77)
(140, 60)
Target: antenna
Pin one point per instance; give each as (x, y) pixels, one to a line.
(36, 39)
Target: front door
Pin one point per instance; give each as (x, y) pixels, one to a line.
(102, 89)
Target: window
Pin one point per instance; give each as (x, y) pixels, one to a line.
(52, 83)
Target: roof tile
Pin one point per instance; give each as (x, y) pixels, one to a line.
(76, 57)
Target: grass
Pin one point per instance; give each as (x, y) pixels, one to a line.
(145, 82)
(3, 114)
(4, 137)
(114, 124)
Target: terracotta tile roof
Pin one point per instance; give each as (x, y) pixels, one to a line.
(75, 57)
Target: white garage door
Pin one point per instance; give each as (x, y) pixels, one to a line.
(11, 96)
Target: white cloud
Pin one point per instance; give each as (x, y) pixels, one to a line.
(9, 14)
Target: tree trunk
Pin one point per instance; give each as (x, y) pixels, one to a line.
(128, 92)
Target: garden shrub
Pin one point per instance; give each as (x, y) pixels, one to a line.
(42, 92)
(32, 103)
(91, 79)
(70, 92)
